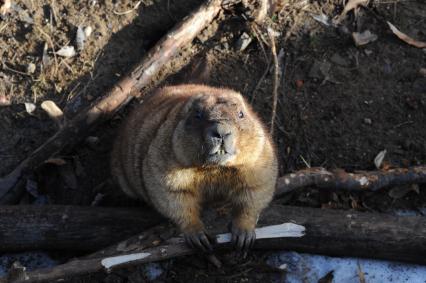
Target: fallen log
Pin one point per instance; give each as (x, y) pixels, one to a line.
(338, 179)
(143, 74)
(331, 232)
(171, 248)
(73, 228)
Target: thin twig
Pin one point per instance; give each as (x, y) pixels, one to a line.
(128, 11)
(262, 78)
(256, 33)
(49, 39)
(4, 26)
(271, 34)
(14, 71)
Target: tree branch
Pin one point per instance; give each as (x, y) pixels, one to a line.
(338, 179)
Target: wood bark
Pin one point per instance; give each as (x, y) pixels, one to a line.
(351, 233)
(72, 228)
(128, 87)
(332, 232)
(338, 179)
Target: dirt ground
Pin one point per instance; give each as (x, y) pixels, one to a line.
(339, 104)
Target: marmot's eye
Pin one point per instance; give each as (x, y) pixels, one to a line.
(199, 114)
(241, 115)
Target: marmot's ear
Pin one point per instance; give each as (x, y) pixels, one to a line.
(199, 70)
(196, 72)
(190, 103)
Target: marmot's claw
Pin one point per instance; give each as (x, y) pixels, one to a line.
(199, 240)
(243, 240)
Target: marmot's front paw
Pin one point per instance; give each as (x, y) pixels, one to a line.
(199, 240)
(243, 239)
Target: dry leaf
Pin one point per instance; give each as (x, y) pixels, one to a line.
(45, 57)
(80, 38)
(244, 41)
(378, 160)
(56, 161)
(321, 18)
(31, 67)
(363, 38)
(352, 4)
(5, 6)
(30, 107)
(66, 51)
(406, 38)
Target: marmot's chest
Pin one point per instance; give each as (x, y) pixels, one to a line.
(210, 183)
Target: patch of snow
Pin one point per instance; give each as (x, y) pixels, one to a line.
(31, 260)
(406, 212)
(311, 268)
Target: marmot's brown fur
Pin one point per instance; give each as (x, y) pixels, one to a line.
(189, 144)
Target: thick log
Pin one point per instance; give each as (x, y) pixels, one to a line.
(73, 228)
(351, 233)
(331, 232)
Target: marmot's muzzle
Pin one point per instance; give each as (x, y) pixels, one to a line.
(220, 143)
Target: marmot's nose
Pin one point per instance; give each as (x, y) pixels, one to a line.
(219, 132)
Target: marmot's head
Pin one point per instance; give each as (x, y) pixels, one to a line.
(217, 128)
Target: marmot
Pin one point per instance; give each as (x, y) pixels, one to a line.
(189, 144)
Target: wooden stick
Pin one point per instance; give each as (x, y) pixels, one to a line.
(128, 87)
(338, 179)
(330, 232)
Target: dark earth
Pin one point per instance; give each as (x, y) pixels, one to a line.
(339, 104)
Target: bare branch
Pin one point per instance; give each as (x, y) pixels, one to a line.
(358, 181)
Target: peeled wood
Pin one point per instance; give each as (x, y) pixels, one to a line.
(73, 228)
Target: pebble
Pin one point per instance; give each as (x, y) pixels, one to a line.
(244, 41)
(368, 121)
(31, 68)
